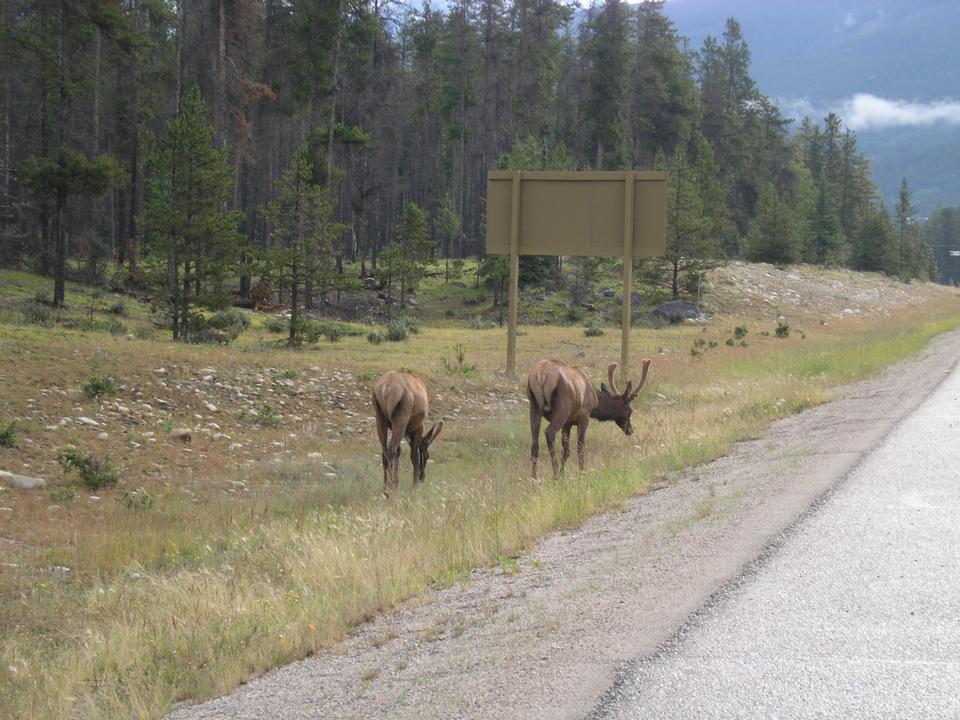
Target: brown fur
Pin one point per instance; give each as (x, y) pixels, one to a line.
(565, 396)
(400, 404)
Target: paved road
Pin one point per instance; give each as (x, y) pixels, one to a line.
(855, 614)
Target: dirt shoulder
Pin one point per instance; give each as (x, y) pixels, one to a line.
(545, 639)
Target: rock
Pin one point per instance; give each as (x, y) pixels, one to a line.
(609, 293)
(90, 422)
(210, 407)
(235, 446)
(160, 371)
(314, 455)
(681, 309)
(371, 283)
(21, 482)
(103, 436)
(185, 435)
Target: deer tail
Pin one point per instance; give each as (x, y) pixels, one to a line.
(547, 385)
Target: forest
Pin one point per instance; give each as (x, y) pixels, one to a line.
(189, 147)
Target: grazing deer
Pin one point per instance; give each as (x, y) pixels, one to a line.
(565, 396)
(400, 404)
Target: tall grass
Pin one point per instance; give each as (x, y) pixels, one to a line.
(234, 599)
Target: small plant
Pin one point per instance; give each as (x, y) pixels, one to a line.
(696, 352)
(115, 327)
(396, 331)
(96, 387)
(8, 435)
(37, 314)
(461, 368)
(765, 333)
(62, 494)
(42, 297)
(699, 343)
(138, 500)
(731, 342)
(94, 473)
(275, 324)
(593, 329)
(143, 332)
(376, 337)
(289, 374)
(480, 323)
(366, 376)
(783, 330)
(675, 318)
(118, 308)
(267, 415)
(572, 314)
(712, 344)
(740, 332)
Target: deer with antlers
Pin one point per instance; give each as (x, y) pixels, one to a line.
(400, 405)
(565, 396)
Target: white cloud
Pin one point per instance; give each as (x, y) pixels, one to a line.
(869, 112)
(850, 20)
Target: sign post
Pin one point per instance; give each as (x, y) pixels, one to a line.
(612, 214)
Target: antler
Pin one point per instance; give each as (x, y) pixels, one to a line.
(643, 378)
(613, 383)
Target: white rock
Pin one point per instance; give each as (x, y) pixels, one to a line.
(103, 436)
(160, 371)
(88, 421)
(21, 482)
(185, 435)
(235, 446)
(210, 407)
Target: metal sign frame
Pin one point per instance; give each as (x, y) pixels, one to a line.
(611, 214)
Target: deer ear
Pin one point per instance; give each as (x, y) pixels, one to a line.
(434, 432)
(626, 390)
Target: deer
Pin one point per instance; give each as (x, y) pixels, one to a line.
(565, 396)
(400, 404)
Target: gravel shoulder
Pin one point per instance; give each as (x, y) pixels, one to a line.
(547, 638)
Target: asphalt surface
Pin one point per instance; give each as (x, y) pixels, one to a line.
(854, 613)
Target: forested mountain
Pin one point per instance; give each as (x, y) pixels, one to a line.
(195, 141)
(814, 56)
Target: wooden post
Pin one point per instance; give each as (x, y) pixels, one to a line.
(628, 200)
(514, 275)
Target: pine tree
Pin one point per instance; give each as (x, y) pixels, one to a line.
(773, 235)
(190, 184)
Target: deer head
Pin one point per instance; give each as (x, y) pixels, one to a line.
(424, 450)
(615, 405)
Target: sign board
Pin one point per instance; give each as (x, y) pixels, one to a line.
(612, 214)
(577, 213)
(955, 253)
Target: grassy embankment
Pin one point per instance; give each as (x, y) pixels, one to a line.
(191, 593)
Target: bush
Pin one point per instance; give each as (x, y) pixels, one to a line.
(115, 327)
(593, 329)
(480, 323)
(375, 336)
(8, 435)
(267, 415)
(118, 308)
(731, 342)
(783, 330)
(461, 367)
(229, 319)
(740, 332)
(143, 332)
(37, 314)
(396, 331)
(276, 324)
(94, 473)
(221, 328)
(97, 387)
(138, 500)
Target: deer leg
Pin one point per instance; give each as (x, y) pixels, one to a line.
(382, 426)
(551, 433)
(565, 442)
(415, 440)
(581, 442)
(398, 422)
(535, 417)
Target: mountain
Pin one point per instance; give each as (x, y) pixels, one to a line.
(890, 68)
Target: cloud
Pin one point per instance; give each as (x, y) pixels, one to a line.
(869, 112)
(864, 111)
(850, 20)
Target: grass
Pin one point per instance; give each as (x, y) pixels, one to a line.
(181, 586)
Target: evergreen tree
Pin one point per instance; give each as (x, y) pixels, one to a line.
(303, 234)
(607, 52)
(773, 235)
(190, 184)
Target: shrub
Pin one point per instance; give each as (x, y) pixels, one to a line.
(97, 387)
(731, 342)
(8, 435)
(396, 331)
(267, 415)
(593, 329)
(461, 368)
(143, 332)
(94, 473)
(740, 332)
(118, 308)
(37, 314)
(276, 324)
(221, 328)
(480, 323)
(375, 336)
(783, 330)
(115, 327)
(138, 500)
(230, 319)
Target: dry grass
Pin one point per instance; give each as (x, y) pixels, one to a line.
(248, 559)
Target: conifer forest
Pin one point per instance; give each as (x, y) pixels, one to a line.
(190, 147)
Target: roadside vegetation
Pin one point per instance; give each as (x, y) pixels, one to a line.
(155, 567)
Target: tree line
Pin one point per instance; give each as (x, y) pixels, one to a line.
(181, 144)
